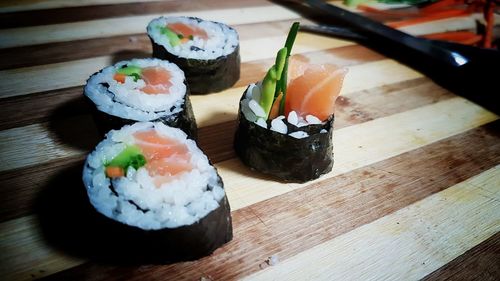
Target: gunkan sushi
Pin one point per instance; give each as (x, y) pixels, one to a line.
(207, 51)
(285, 121)
(158, 193)
(141, 90)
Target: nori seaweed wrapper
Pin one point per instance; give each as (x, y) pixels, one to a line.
(204, 76)
(282, 156)
(183, 120)
(133, 244)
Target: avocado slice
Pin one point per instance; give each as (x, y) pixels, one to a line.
(173, 37)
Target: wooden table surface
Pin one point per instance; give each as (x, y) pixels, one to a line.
(414, 192)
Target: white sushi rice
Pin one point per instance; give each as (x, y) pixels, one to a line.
(222, 40)
(126, 100)
(184, 200)
(253, 112)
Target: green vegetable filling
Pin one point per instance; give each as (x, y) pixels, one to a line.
(275, 80)
(173, 37)
(131, 70)
(131, 156)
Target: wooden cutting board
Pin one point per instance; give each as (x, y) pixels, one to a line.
(414, 192)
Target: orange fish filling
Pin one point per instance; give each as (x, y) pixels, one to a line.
(165, 157)
(187, 30)
(315, 91)
(157, 80)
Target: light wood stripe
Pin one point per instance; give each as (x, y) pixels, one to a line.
(74, 73)
(118, 46)
(359, 107)
(444, 25)
(87, 13)
(249, 189)
(25, 36)
(478, 263)
(21, 146)
(297, 221)
(364, 144)
(8, 6)
(415, 240)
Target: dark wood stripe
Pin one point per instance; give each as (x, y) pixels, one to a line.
(39, 107)
(296, 221)
(217, 140)
(479, 263)
(119, 47)
(74, 14)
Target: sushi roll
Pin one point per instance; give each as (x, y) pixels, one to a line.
(158, 193)
(285, 121)
(141, 90)
(207, 51)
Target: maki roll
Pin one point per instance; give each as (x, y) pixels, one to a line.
(207, 51)
(141, 90)
(285, 121)
(157, 193)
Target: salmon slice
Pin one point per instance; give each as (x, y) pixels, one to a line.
(315, 91)
(152, 137)
(187, 30)
(157, 80)
(154, 146)
(297, 65)
(154, 152)
(168, 166)
(164, 156)
(155, 89)
(165, 170)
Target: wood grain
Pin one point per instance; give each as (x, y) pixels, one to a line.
(246, 188)
(40, 143)
(413, 193)
(76, 11)
(317, 214)
(361, 107)
(364, 144)
(69, 101)
(482, 262)
(23, 36)
(29, 5)
(448, 223)
(74, 73)
(352, 151)
(119, 47)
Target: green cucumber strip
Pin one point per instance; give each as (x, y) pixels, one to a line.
(268, 88)
(130, 156)
(280, 61)
(280, 64)
(136, 76)
(137, 161)
(130, 70)
(283, 85)
(290, 39)
(173, 38)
